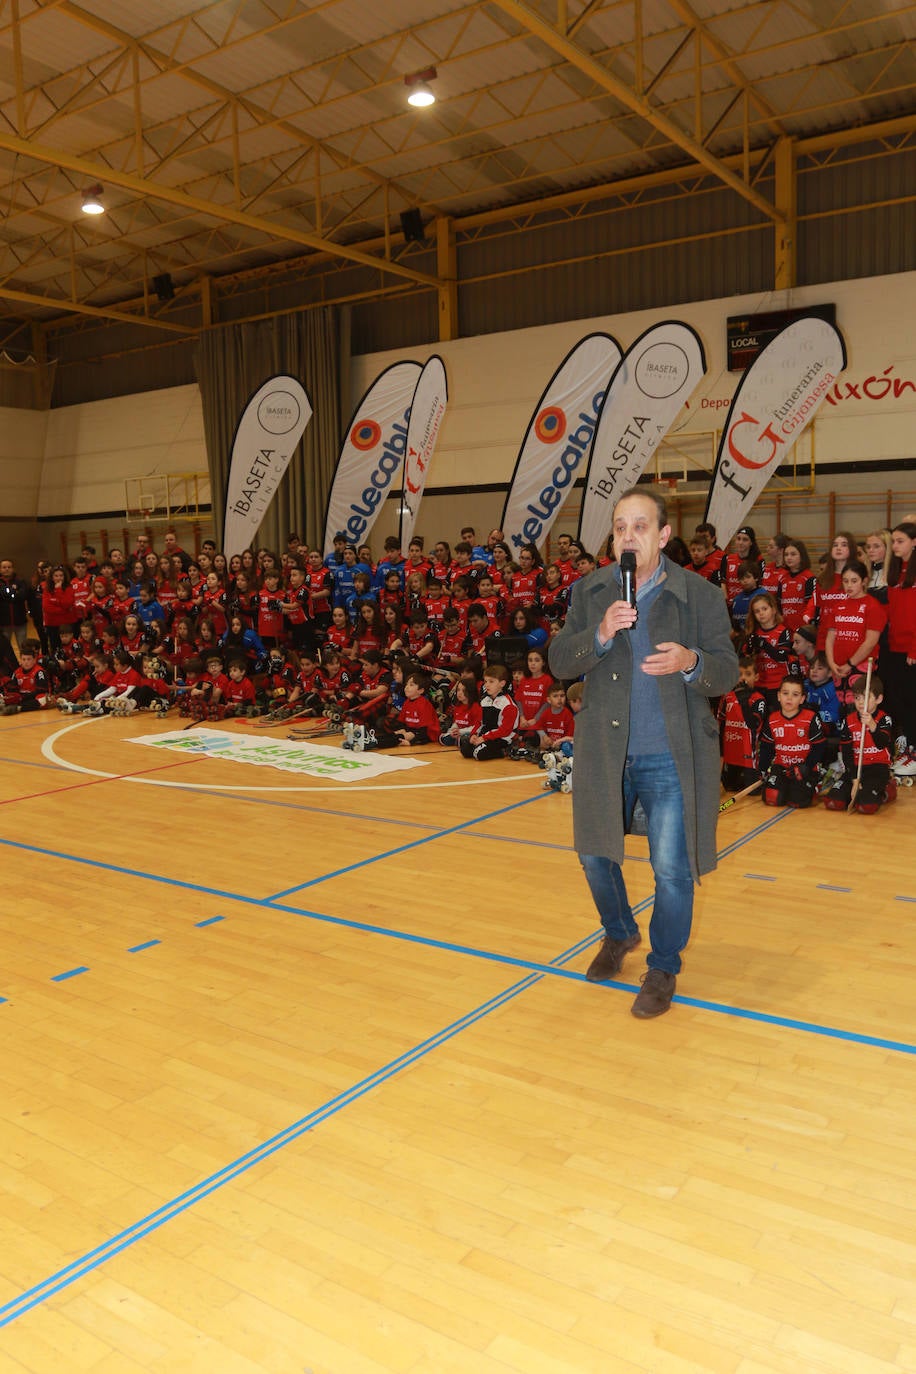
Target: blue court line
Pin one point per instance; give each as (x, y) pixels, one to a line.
(762, 877)
(210, 921)
(147, 944)
(40, 1292)
(905, 899)
(274, 905)
(71, 973)
(412, 844)
(94, 1258)
(829, 887)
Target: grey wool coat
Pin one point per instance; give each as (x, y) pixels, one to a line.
(687, 611)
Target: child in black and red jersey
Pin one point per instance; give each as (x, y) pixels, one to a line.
(436, 602)
(741, 716)
(339, 636)
(769, 640)
(297, 609)
(194, 691)
(28, 688)
(876, 785)
(553, 598)
(98, 675)
(421, 644)
(310, 683)
(275, 684)
(464, 714)
(499, 718)
(791, 748)
(270, 626)
(415, 723)
(492, 603)
(453, 642)
(367, 694)
(336, 673)
(481, 629)
(555, 722)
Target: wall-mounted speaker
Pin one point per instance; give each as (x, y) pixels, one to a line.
(412, 226)
(164, 286)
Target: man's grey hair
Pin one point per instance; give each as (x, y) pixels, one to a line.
(661, 504)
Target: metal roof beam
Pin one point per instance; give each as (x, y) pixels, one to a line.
(141, 186)
(572, 53)
(100, 312)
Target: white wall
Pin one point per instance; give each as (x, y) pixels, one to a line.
(74, 461)
(92, 449)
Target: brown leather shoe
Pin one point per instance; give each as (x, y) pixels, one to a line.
(609, 957)
(654, 997)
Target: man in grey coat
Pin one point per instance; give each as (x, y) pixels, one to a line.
(646, 732)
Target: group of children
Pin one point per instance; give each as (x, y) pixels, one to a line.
(405, 649)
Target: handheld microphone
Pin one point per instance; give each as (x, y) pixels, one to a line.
(628, 576)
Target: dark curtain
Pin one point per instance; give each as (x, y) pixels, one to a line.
(232, 362)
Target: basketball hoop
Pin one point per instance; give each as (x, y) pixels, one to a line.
(672, 484)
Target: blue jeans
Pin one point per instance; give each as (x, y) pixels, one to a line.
(654, 781)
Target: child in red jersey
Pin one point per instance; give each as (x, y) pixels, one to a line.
(28, 688)
(769, 640)
(488, 597)
(99, 674)
(553, 598)
(741, 716)
(336, 673)
(436, 602)
(876, 785)
(499, 718)
(339, 636)
(453, 642)
(270, 626)
(857, 624)
(310, 682)
(555, 722)
(238, 696)
(415, 723)
(791, 747)
(531, 690)
(367, 694)
(798, 585)
(395, 630)
(480, 629)
(194, 692)
(464, 714)
(421, 644)
(118, 696)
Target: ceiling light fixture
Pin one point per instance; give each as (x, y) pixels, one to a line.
(420, 94)
(92, 201)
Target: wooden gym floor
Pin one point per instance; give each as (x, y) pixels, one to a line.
(309, 1080)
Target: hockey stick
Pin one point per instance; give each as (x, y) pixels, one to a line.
(858, 782)
(739, 795)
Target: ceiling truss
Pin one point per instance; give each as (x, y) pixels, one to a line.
(226, 145)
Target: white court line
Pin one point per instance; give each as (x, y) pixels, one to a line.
(52, 755)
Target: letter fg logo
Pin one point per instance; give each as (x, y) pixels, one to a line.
(550, 424)
(365, 434)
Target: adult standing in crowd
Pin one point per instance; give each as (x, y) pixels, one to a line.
(646, 733)
(15, 595)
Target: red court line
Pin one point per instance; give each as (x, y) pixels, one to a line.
(93, 782)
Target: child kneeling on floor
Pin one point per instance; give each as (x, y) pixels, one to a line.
(415, 723)
(876, 784)
(791, 748)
